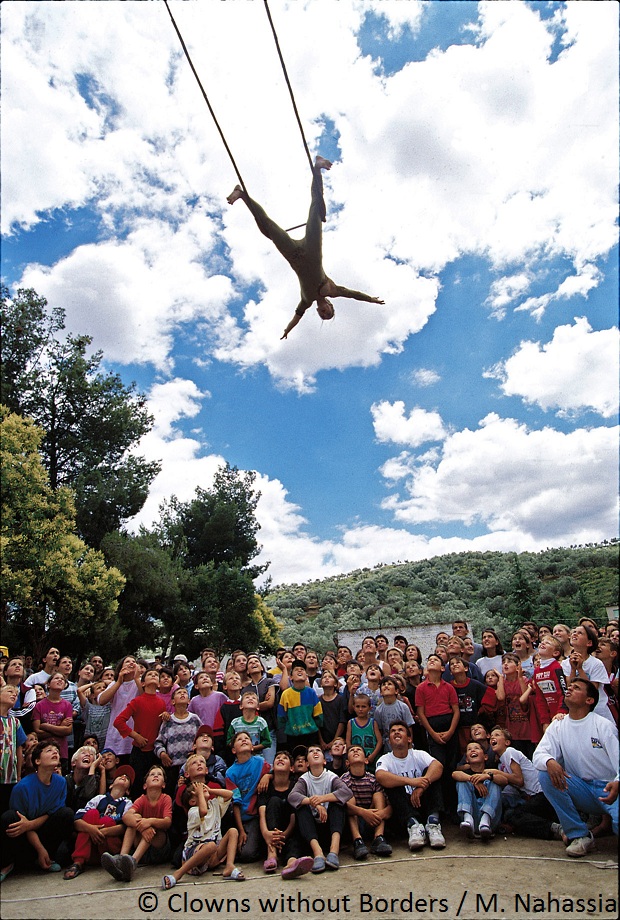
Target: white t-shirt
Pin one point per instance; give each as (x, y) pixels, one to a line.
(587, 748)
(595, 671)
(530, 774)
(413, 765)
(485, 664)
(199, 830)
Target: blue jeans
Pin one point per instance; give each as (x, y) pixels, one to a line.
(270, 752)
(580, 795)
(476, 806)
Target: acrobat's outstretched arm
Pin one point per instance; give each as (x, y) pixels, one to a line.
(291, 325)
(339, 291)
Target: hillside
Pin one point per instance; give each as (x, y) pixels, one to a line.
(493, 588)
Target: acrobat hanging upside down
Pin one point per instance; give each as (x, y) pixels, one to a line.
(305, 256)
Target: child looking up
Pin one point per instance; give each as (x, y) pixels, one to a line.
(99, 825)
(319, 797)
(549, 681)
(249, 721)
(277, 822)
(369, 809)
(11, 749)
(245, 774)
(205, 846)
(147, 822)
(207, 701)
(363, 731)
(479, 798)
(332, 704)
(146, 711)
(175, 739)
(52, 717)
(511, 690)
(300, 713)
(390, 710)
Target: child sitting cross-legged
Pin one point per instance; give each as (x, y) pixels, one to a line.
(479, 798)
(205, 847)
(369, 809)
(99, 825)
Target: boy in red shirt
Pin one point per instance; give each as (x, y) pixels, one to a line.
(438, 712)
(549, 681)
(147, 821)
(146, 710)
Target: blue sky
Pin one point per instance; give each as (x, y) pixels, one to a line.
(474, 188)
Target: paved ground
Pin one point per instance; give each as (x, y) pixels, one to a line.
(503, 880)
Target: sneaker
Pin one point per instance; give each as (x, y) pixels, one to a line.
(436, 839)
(417, 837)
(380, 846)
(127, 865)
(557, 831)
(467, 829)
(360, 850)
(110, 864)
(580, 846)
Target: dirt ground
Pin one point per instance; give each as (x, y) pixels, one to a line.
(505, 879)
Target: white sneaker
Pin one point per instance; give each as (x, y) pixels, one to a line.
(417, 837)
(580, 846)
(436, 839)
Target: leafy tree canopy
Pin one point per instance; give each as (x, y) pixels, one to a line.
(54, 588)
(90, 419)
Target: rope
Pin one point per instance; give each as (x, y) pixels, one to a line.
(206, 98)
(290, 89)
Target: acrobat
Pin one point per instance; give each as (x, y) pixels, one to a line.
(305, 256)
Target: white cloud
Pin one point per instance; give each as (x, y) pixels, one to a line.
(134, 295)
(392, 424)
(425, 377)
(542, 484)
(480, 149)
(576, 370)
(579, 284)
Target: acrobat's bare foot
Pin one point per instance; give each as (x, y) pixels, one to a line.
(236, 193)
(322, 163)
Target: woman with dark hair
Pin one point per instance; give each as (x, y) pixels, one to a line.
(26, 696)
(582, 663)
(125, 687)
(413, 653)
(492, 652)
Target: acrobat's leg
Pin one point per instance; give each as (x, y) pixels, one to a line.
(268, 227)
(316, 215)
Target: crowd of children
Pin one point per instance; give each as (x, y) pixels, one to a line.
(195, 767)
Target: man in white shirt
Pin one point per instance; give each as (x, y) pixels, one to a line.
(577, 761)
(410, 779)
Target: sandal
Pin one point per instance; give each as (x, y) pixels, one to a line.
(235, 876)
(6, 874)
(270, 865)
(54, 867)
(168, 882)
(73, 871)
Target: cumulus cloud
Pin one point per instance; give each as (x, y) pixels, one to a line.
(541, 483)
(580, 284)
(488, 154)
(392, 424)
(134, 295)
(425, 377)
(576, 370)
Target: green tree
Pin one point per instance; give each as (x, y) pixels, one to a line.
(219, 525)
(91, 420)
(54, 588)
(213, 540)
